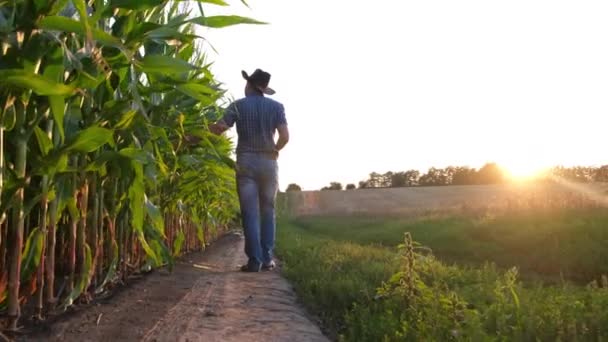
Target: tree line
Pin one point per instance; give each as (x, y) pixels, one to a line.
(490, 173)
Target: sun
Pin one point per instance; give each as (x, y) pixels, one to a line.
(523, 170)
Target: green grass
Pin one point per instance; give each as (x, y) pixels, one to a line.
(338, 265)
(571, 244)
(329, 275)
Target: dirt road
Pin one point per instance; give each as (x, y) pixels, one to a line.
(205, 299)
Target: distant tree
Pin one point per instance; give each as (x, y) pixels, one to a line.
(490, 173)
(333, 186)
(434, 176)
(375, 180)
(464, 175)
(585, 174)
(398, 180)
(293, 187)
(601, 174)
(579, 174)
(350, 186)
(386, 180)
(448, 174)
(391, 179)
(411, 177)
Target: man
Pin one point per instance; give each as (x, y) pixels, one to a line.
(257, 119)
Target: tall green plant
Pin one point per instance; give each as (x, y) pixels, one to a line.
(105, 153)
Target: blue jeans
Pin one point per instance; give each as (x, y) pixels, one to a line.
(257, 185)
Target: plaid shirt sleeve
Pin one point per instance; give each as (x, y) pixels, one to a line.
(231, 115)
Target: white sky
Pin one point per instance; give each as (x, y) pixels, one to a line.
(394, 85)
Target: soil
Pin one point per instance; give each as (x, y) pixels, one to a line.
(205, 298)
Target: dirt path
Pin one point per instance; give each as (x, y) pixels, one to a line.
(205, 299)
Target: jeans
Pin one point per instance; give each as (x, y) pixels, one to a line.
(257, 185)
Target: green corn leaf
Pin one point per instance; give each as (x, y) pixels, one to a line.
(164, 65)
(31, 203)
(169, 33)
(136, 204)
(40, 5)
(73, 208)
(200, 234)
(141, 30)
(126, 120)
(84, 278)
(53, 164)
(63, 24)
(156, 217)
(32, 254)
(214, 2)
(149, 251)
(54, 71)
(161, 249)
(44, 142)
(38, 84)
(9, 118)
(64, 194)
(178, 244)
(160, 162)
(81, 7)
(58, 6)
(111, 270)
(220, 21)
(58, 110)
(137, 154)
(8, 196)
(100, 162)
(137, 5)
(90, 140)
(204, 94)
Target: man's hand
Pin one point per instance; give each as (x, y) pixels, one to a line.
(218, 127)
(283, 137)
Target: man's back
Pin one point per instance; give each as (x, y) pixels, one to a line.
(257, 119)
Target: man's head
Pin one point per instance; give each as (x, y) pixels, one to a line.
(257, 83)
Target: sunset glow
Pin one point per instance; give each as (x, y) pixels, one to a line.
(419, 84)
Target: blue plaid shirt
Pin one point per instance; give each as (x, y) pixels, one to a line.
(257, 118)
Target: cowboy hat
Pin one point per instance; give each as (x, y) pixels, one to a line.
(260, 80)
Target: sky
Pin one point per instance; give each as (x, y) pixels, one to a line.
(396, 85)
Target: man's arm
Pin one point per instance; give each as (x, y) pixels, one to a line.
(218, 127)
(227, 121)
(283, 137)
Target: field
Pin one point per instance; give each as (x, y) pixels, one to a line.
(400, 201)
(525, 273)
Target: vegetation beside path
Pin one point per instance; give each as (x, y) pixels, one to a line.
(367, 283)
(107, 167)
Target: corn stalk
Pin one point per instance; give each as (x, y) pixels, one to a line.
(100, 176)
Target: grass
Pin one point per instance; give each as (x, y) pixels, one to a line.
(549, 244)
(348, 271)
(328, 275)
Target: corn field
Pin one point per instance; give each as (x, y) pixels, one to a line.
(107, 165)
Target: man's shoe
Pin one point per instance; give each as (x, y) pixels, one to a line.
(269, 267)
(251, 268)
